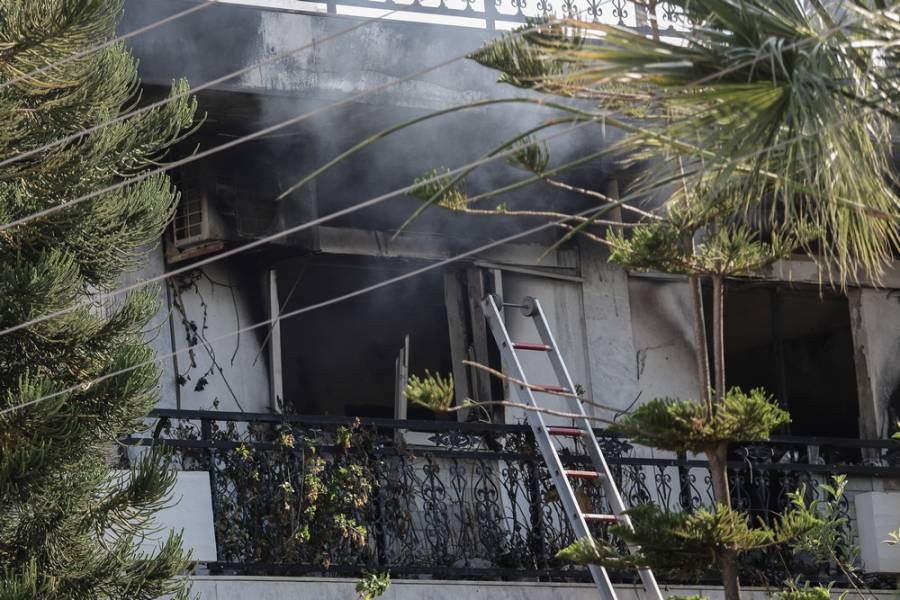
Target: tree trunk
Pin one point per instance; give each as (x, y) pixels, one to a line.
(719, 334)
(727, 561)
(718, 472)
(730, 581)
(700, 343)
(718, 455)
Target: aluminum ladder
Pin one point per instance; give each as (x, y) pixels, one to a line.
(582, 429)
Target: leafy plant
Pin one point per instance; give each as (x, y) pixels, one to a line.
(807, 592)
(280, 500)
(432, 391)
(373, 586)
(683, 425)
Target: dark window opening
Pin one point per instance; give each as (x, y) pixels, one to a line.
(797, 344)
(340, 360)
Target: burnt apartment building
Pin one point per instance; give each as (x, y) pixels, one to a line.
(455, 497)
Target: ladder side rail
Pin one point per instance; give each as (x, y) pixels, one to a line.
(576, 407)
(525, 395)
(590, 439)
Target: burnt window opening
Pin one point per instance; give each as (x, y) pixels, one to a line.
(189, 224)
(797, 344)
(233, 197)
(340, 360)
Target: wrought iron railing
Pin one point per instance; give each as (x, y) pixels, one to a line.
(495, 14)
(304, 494)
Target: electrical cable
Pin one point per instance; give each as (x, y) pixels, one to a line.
(236, 142)
(279, 56)
(276, 127)
(150, 27)
(333, 215)
(362, 291)
(203, 86)
(277, 235)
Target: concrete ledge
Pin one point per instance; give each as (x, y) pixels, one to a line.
(281, 588)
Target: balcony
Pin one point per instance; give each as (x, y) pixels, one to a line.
(489, 14)
(312, 495)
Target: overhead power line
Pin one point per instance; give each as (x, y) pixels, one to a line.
(235, 142)
(362, 291)
(274, 236)
(199, 88)
(88, 51)
(276, 57)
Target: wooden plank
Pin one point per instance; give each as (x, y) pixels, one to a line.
(276, 381)
(482, 384)
(401, 377)
(454, 299)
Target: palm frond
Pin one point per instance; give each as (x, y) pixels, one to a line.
(772, 100)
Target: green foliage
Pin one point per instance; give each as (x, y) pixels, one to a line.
(650, 246)
(431, 391)
(68, 527)
(683, 426)
(692, 597)
(680, 542)
(531, 156)
(830, 537)
(768, 102)
(588, 551)
(439, 183)
(373, 586)
(688, 544)
(309, 506)
(704, 234)
(521, 61)
(807, 592)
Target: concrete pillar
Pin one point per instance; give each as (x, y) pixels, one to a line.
(875, 322)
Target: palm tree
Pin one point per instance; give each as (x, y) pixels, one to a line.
(770, 120)
(768, 124)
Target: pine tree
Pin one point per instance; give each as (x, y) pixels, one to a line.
(70, 527)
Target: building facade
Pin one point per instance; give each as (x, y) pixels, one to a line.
(273, 393)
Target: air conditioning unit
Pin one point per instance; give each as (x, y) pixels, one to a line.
(194, 231)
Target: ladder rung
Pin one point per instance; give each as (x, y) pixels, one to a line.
(551, 388)
(597, 518)
(583, 474)
(565, 431)
(531, 346)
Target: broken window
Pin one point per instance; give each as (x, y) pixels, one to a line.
(342, 359)
(797, 344)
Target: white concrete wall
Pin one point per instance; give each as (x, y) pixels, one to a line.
(273, 588)
(875, 319)
(232, 301)
(159, 334)
(608, 328)
(190, 512)
(664, 349)
(878, 513)
(227, 301)
(561, 302)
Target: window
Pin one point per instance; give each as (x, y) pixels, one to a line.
(342, 359)
(190, 225)
(797, 344)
